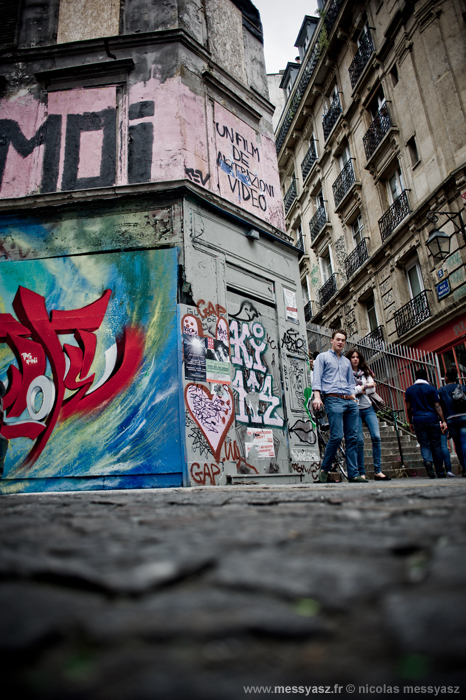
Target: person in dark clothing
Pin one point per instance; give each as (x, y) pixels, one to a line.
(424, 413)
(456, 421)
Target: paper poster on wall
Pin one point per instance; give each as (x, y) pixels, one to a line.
(261, 445)
(194, 358)
(217, 361)
(290, 305)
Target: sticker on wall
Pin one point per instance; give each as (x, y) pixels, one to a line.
(213, 413)
(261, 444)
(291, 308)
(217, 361)
(194, 351)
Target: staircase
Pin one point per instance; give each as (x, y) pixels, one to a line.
(391, 463)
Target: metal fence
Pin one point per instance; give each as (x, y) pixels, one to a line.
(393, 365)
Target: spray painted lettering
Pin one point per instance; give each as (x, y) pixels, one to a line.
(256, 403)
(34, 340)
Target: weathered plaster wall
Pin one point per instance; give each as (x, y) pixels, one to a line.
(239, 285)
(225, 28)
(87, 19)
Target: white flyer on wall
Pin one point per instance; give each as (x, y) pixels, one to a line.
(290, 305)
(260, 444)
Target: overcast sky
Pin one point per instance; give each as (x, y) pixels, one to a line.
(281, 20)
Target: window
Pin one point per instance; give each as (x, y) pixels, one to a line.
(395, 185)
(299, 238)
(345, 157)
(377, 103)
(394, 75)
(320, 201)
(326, 267)
(358, 230)
(371, 314)
(413, 152)
(9, 14)
(415, 281)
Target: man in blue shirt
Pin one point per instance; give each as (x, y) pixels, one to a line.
(424, 413)
(333, 385)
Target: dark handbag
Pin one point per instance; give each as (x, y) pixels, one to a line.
(459, 399)
(377, 401)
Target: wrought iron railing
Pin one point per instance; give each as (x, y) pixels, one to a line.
(374, 338)
(308, 311)
(308, 160)
(356, 258)
(300, 244)
(343, 183)
(361, 59)
(412, 314)
(331, 117)
(290, 196)
(394, 215)
(317, 222)
(328, 290)
(309, 67)
(377, 130)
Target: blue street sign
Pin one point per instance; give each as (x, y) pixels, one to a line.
(443, 289)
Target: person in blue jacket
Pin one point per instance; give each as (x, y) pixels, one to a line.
(424, 413)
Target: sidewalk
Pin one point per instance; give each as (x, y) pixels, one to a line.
(195, 593)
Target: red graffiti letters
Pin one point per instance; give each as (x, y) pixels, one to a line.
(210, 310)
(201, 475)
(34, 340)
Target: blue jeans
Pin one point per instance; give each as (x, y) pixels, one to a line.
(429, 437)
(343, 418)
(369, 417)
(445, 451)
(457, 429)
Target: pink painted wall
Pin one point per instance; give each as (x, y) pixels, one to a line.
(192, 139)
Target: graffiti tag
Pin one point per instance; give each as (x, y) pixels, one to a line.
(34, 339)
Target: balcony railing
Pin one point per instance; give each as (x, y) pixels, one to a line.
(343, 183)
(308, 311)
(412, 314)
(330, 15)
(356, 258)
(361, 59)
(308, 161)
(290, 196)
(394, 215)
(317, 222)
(300, 244)
(374, 338)
(330, 119)
(377, 130)
(328, 290)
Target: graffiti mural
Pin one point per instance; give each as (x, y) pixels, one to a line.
(92, 388)
(212, 412)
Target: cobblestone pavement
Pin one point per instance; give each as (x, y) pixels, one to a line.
(196, 593)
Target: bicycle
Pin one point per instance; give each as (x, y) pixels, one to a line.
(322, 430)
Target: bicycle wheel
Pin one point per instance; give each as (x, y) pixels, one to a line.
(339, 463)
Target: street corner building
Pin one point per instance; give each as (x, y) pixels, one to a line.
(152, 326)
(370, 134)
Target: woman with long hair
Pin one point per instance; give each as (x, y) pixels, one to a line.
(365, 385)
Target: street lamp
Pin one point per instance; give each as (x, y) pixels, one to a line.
(438, 242)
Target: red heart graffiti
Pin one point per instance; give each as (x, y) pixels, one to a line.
(213, 414)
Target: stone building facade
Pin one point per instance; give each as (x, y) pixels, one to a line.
(372, 139)
(152, 329)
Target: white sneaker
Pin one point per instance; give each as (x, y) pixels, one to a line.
(450, 474)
